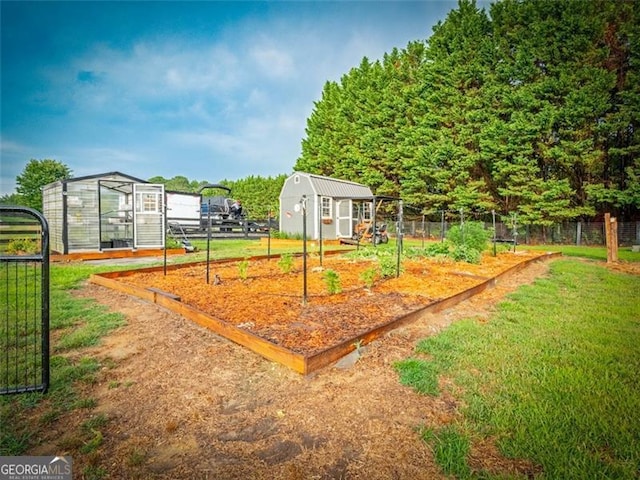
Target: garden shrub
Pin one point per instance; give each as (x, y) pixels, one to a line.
(23, 246)
(388, 264)
(470, 234)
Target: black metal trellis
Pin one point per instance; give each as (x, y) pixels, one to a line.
(24, 301)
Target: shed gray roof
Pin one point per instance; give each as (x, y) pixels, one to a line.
(114, 176)
(337, 188)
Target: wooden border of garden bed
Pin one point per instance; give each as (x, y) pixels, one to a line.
(303, 364)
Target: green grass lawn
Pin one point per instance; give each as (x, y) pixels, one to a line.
(553, 376)
(594, 253)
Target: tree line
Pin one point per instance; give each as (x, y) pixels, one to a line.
(531, 109)
(259, 195)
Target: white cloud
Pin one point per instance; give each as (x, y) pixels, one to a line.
(273, 62)
(8, 147)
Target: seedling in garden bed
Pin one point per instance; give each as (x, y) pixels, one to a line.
(369, 277)
(286, 262)
(332, 279)
(243, 269)
(388, 266)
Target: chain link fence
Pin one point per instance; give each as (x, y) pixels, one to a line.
(566, 233)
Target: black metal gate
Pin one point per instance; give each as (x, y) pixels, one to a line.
(24, 301)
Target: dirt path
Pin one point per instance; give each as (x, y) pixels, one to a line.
(185, 403)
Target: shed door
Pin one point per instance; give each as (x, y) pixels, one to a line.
(343, 219)
(148, 215)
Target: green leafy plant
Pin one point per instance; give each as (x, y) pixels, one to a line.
(471, 234)
(136, 458)
(286, 262)
(243, 269)
(440, 249)
(23, 246)
(465, 242)
(464, 253)
(332, 280)
(171, 243)
(388, 265)
(369, 276)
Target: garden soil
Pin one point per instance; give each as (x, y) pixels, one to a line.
(184, 403)
(341, 305)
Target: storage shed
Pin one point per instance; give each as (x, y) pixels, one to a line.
(106, 211)
(333, 206)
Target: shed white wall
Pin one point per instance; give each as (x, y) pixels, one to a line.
(290, 195)
(340, 194)
(184, 208)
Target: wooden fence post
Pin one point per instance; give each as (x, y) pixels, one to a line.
(614, 239)
(611, 237)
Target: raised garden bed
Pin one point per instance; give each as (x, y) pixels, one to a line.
(254, 303)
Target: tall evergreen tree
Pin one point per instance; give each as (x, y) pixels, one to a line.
(451, 166)
(532, 111)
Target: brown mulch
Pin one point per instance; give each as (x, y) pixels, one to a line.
(264, 300)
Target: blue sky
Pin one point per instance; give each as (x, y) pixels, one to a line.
(207, 90)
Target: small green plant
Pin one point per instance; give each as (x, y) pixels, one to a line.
(388, 265)
(95, 422)
(439, 249)
(92, 428)
(243, 269)
(369, 276)
(23, 246)
(465, 243)
(332, 280)
(93, 443)
(86, 403)
(136, 458)
(286, 262)
(171, 243)
(94, 472)
(464, 253)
